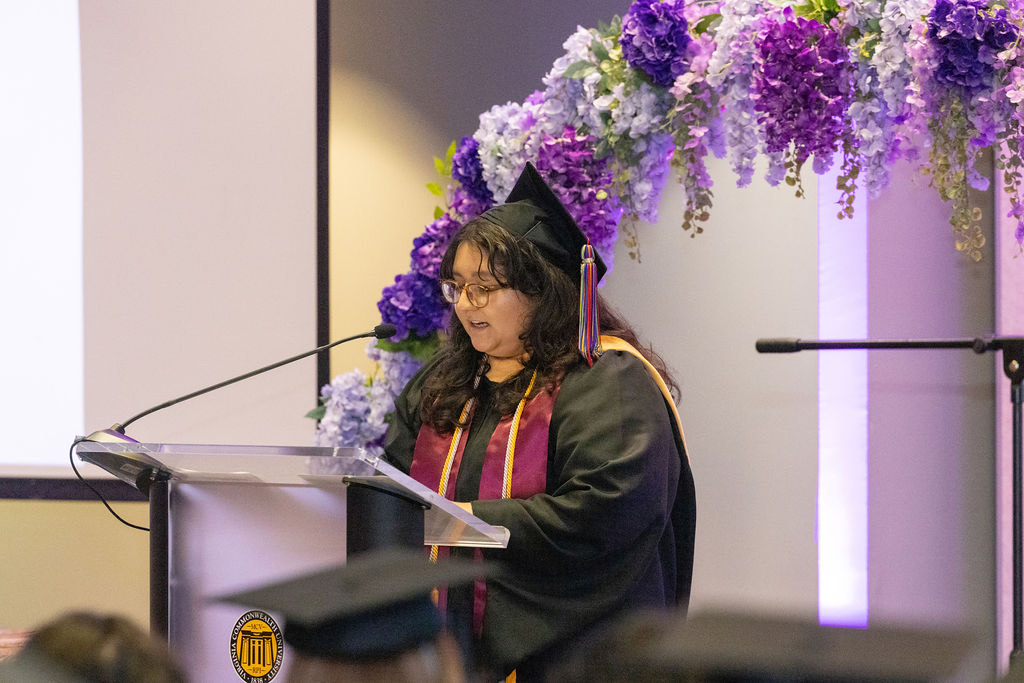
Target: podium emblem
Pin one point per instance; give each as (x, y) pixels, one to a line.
(257, 648)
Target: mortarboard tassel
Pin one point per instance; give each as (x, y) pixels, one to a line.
(589, 335)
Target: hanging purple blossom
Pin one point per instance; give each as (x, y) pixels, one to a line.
(414, 305)
(428, 249)
(583, 184)
(654, 39)
(802, 88)
(967, 40)
(468, 171)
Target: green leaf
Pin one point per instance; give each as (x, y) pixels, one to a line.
(317, 413)
(439, 165)
(435, 189)
(451, 151)
(705, 23)
(600, 51)
(580, 69)
(438, 212)
(421, 348)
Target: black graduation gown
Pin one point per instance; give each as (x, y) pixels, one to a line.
(613, 530)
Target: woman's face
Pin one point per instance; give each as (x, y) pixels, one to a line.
(495, 328)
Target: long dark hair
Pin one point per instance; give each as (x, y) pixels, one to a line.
(549, 338)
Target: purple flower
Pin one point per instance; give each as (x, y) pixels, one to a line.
(467, 207)
(966, 40)
(468, 171)
(999, 33)
(357, 408)
(583, 184)
(654, 39)
(414, 305)
(646, 181)
(803, 87)
(428, 249)
(346, 409)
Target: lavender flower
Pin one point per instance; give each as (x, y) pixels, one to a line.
(730, 70)
(582, 184)
(357, 408)
(882, 78)
(347, 407)
(697, 130)
(507, 138)
(570, 101)
(654, 39)
(394, 370)
(648, 176)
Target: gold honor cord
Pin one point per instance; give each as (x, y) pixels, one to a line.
(442, 486)
(506, 490)
(506, 487)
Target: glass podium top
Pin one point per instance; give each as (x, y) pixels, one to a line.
(314, 466)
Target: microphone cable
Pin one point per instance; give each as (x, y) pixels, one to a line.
(71, 456)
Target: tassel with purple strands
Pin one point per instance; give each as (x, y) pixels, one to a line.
(589, 334)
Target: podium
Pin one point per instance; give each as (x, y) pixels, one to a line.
(229, 518)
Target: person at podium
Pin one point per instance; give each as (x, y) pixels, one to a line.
(530, 420)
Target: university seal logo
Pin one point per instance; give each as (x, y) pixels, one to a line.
(257, 648)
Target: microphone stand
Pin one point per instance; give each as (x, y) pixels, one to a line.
(1013, 366)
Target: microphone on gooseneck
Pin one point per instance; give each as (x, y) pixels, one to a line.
(116, 432)
(785, 345)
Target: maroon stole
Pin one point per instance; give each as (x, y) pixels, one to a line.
(515, 465)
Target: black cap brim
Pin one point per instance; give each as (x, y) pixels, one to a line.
(375, 605)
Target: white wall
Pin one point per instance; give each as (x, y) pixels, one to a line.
(200, 237)
(750, 420)
(41, 238)
(200, 216)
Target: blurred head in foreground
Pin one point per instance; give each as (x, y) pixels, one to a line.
(92, 648)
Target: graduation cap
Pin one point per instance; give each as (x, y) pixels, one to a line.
(533, 212)
(731, 646)
(376, 605)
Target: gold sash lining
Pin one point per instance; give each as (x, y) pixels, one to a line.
(617, 344)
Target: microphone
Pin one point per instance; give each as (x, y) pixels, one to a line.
(784, 345)
(116, 432)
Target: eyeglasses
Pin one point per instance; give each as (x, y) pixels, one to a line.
(477, 294)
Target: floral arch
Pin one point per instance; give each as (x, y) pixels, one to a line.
(859, 83)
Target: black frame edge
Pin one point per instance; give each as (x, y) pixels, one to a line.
(323, 122)
(26, 488)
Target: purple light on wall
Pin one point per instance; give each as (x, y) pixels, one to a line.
(842, 412)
